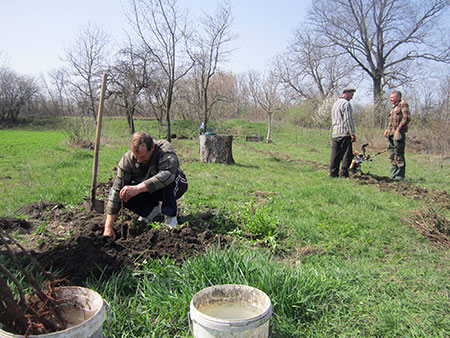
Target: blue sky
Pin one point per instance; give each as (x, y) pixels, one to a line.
(35, 32)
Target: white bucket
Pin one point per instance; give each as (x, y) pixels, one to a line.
(230, 311)
(84, 321)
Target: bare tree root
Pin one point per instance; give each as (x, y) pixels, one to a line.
(40, 312)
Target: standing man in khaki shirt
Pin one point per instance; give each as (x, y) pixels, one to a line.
(399, 118)
(343, 133)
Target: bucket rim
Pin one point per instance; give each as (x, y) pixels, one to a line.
(229, 324)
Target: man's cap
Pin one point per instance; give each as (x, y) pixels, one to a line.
(348, 90)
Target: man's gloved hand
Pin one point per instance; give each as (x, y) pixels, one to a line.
(397, 136)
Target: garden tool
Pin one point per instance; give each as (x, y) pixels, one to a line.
(360, 157)
(96, 204)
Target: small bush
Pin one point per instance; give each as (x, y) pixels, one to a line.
(80, 131)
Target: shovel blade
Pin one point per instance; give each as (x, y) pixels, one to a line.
(94, 205)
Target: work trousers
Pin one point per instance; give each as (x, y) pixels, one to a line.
(397, 157)
(143, 203)
(342, 150)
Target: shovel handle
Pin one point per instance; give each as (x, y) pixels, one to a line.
(97, 141)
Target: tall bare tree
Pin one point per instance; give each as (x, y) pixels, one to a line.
(163, 31)
(155, 97)
(382, 36)
(87, 63)
(16, 93)
(211, 49)
(129, 76)
(265, 92)
(57, 90)
(312, 67)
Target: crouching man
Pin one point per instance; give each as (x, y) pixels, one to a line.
(147, 174)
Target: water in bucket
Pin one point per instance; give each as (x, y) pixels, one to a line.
(228, 310)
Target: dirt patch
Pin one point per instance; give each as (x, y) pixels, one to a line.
(262, 197)
(432, 225)
(71, 242)
(439, 199)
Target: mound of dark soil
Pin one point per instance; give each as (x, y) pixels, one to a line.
(440, 199)
(71, 243)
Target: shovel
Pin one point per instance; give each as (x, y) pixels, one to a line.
(96, 204)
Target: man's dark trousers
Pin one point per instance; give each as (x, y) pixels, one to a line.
(342, 150)
(144, 203)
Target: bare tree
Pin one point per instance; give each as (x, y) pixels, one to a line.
(211, 49)
(16, 93)
(223, 94)
(240, 95)
(163, 31)
(129, 76)
(312, 67)
(57, 90)
(381, 36)
(3, 60)
(265, 92)
(439, 121)
(87, 63)
(155, 96)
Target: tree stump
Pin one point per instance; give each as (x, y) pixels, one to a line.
(216, 148)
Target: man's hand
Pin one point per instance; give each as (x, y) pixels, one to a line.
(353, 138)
(397, 136)
(386, 133)
(109, 231)
(129, 191)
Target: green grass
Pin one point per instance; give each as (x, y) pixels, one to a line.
(368, 273)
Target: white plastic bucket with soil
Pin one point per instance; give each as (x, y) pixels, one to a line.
(230, 310)
(83, 309)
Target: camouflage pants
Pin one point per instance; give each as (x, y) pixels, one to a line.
(397, 157)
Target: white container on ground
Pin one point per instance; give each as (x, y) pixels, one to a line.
(85, 321)
(230, 310)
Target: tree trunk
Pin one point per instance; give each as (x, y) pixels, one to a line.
(169, 105)
(377, 102)
(269, 127)
(216, 148)
(130, 119)
(130, 123)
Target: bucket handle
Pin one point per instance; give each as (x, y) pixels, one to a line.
(109, 312)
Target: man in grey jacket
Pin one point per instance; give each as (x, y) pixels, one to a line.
(147, 174)
(343, 133)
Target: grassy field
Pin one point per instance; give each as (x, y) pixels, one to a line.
(336, 257)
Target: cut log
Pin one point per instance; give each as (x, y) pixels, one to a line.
(216, 148)
(254, 138)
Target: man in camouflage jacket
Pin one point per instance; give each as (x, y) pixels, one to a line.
(399, 118)
(148, 173)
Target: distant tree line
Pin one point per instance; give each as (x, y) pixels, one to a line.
(171, 66)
